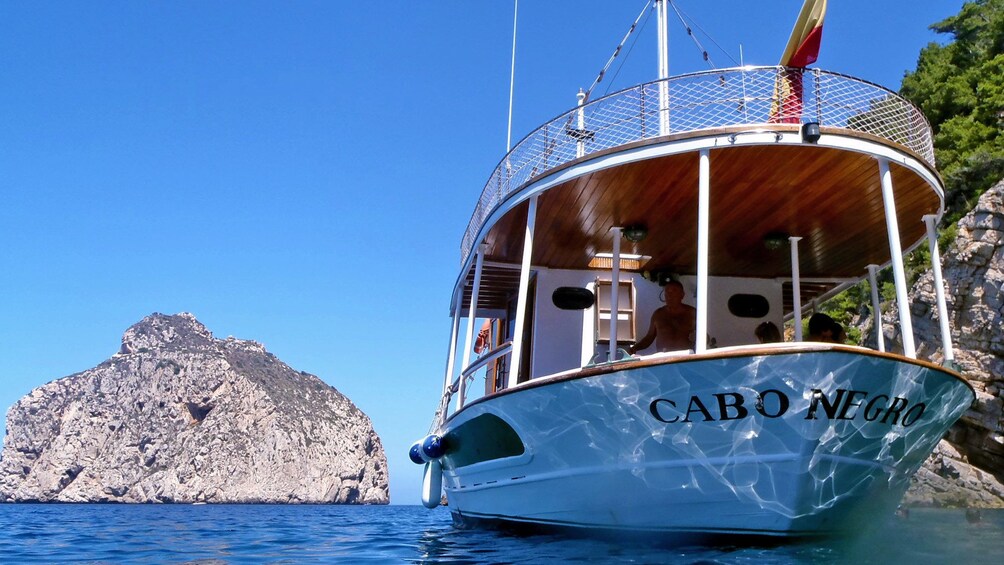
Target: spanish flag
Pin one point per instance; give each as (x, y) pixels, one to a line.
(801, 51)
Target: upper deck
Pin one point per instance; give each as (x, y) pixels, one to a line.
(643, 168)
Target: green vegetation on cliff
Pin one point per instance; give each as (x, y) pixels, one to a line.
(960, 88)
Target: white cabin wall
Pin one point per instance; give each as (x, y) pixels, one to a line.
(732, 330)
(557, 334)
(558, 339)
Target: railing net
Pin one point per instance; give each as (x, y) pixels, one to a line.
(712, 99)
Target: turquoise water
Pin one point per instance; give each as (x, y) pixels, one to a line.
(48, 533)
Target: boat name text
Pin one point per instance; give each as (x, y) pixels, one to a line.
(841, 404)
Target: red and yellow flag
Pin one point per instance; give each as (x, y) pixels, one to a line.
(802, 50)
(803, 45)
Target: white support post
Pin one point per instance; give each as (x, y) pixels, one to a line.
(796, 288)
(451, 357)
(896, 251)
(876, 306)
(615, 285)
(703, 221)
(663, 18)
(471, 313)
(939, 288)
(580, 145)
(524, 286)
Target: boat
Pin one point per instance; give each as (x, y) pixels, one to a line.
(762, 191)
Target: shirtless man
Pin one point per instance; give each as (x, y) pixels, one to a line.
(673, 326)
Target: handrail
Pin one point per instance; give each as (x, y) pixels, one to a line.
(459, 385)
(747, 96)
(486, 358)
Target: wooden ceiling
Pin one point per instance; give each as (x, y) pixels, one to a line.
(831, 198)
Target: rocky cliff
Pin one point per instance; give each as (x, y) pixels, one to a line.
(967, 469)
(179, 416)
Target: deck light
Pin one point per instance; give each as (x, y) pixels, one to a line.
(635, 233)
(775, 240)
(810, 132)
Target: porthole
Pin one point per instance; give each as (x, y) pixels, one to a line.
(748, 306)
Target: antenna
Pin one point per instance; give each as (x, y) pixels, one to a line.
(660, 8)
(512, 76)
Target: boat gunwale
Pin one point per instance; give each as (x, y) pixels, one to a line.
(755, 350)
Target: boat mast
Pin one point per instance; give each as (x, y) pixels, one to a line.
(512, 76)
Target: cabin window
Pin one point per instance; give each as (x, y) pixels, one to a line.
(625, 313)
(748, 306)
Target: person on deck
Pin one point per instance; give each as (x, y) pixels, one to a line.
(483, 342)
(839, 335)
(767, 332)
(673, 326)
(821, 328)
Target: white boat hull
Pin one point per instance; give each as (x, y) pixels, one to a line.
(795, 442)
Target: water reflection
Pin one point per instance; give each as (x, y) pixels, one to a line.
(412, 534)
(923, 536)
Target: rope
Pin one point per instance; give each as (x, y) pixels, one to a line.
(617, 51)
(704, 53)
(628, 55)
(690, 32)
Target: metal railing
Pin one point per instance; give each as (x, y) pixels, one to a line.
(460, 388)
(749, 96)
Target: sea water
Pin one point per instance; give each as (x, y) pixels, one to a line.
(107, 533)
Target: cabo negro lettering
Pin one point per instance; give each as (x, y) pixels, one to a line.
(847, 404)
(726, 406)
(840, 404)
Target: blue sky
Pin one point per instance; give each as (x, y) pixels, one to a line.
(301, 173)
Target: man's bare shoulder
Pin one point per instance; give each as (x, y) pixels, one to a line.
(661, 313)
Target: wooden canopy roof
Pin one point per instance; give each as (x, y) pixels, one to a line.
(830, 197)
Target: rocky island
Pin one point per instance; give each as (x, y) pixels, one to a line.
(178, 416)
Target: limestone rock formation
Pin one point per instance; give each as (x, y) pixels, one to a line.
(947, 480)
(968, 467)
(179, 416)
